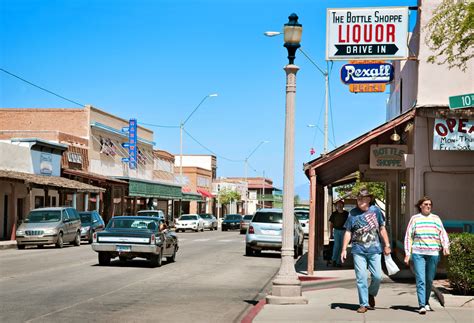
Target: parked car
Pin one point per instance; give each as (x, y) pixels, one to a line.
(303, 217)
(244, 223)
(52, 225)
(210, 221)
(189, 222)
(129, 237)
(91, 221)
(265, 233)
(156, 213)
(231, 222)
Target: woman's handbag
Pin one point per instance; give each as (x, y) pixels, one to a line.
(392, 267)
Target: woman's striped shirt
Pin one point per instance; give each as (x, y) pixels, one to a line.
(425, 235)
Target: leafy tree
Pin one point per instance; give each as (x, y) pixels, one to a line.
(227, 196)
(450, 33)
(376, 188)
(297, 200)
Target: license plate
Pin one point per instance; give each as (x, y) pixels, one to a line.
(271, 232)
(123, 248)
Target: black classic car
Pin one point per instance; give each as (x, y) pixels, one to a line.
(129, 237)
(231, 222)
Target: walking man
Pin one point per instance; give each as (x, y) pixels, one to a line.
(364, 229)
(336, 229)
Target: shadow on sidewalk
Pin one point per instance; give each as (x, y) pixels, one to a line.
(301, 265)
(404, 308)
(344, 306)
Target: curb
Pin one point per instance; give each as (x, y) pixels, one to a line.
(8, 245)
(448, 300)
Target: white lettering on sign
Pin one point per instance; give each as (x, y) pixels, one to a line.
(362, 33)
(365, 74)
(453, 134)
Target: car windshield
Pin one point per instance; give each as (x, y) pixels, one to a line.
(86, 217)
(248, 217)
(188, 217)
(205, 216)
(138, 224)
(233, 217)
(302, 215)
(44, 216)
(268, 217)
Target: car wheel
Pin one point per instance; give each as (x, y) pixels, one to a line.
(173, 256)
(249, 251)
(20, 246)
(123, 260)
(242, 232)
(60, 242)
(91, 234)
(77, 239)
(224, 229)
(104, 259)
(155, 260)
(300, 250)
(202, 229)
(40, 246)
(296, 252)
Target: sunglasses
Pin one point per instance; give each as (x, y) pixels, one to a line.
(426, 204)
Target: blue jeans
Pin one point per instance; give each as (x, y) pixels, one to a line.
(425, 271)
(336, 250)
(373, 262)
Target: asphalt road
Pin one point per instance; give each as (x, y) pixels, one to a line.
(211, 281)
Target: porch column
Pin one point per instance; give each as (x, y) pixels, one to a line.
(74, 199)
(312, 216)
(86, 201)
(46, 197)
(12, 211)
(97, 202)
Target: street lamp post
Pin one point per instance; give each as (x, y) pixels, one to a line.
(286, 287)
(181, 128)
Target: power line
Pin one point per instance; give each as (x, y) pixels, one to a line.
(330, 106)
(156, 125)
(209, 150)
(41, 88)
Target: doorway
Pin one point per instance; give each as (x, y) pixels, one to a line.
(5, 216)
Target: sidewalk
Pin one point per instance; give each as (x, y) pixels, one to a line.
(332, 297)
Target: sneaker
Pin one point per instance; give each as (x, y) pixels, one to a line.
(362, 309)
(428, 308)
(422, 311)
(371, 301)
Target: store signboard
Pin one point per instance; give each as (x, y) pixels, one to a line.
(367, 33)
(453, 134)
(388, 156)
(132, 141)
(367, 73)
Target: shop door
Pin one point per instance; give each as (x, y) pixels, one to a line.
(5, 216)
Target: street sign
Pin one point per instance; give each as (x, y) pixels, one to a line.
(367, 73)
(125, 144)
(461, 101)
(125, 160)
(365, 33)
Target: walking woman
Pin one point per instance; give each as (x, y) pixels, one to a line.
(424, 239)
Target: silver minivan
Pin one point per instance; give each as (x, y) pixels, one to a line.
(51, 225)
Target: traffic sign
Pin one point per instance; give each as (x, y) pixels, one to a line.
(461, 101)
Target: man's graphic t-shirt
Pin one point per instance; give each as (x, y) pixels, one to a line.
(365, 227)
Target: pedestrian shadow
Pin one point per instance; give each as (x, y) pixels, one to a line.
(320, 264)
(344, 306)
(404, 308)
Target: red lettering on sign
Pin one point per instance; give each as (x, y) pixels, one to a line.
(356, 32)
(391, 33)
(368, 33)
(451, 123)
(461, 125)
(378, 33)
(441, 129)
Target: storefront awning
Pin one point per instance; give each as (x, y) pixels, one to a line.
(204, 193)
(346, 159)
(152, 189)
(191, 196)
(93, 176)
(55, 182)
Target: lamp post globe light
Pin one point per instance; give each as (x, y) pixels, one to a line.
(286, 287)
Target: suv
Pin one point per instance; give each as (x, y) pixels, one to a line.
(265, 233)
(155, 213)
(50, 225)
(302, 215)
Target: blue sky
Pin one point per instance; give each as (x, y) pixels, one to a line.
(156, 60)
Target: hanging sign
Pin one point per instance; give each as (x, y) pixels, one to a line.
(367, 73)
(362, 33)
(388, 156)
(367, 88)
(132, 143)
(453, 134)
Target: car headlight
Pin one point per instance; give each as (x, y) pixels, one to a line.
(20, 232)
(51, 231)
(85, 229)
(193, 222)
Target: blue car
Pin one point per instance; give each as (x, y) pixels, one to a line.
(231, 222)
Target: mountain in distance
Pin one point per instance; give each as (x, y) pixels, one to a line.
(302, 191)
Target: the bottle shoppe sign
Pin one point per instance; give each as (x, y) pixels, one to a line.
(388, 156)
(453, 134)
(363, 33)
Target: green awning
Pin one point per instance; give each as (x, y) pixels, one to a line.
(154, 189)
(191, 197)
